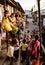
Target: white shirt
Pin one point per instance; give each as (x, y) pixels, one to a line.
(10, 51)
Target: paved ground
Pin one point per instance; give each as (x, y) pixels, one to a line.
(3, 56)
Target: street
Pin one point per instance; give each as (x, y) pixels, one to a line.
(22, 32)
(3, 57)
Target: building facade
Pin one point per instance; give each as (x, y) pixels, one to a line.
(30, 25)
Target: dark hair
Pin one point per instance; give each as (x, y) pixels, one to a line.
(11, 43)
(16, 36)
(12, 14)
(24, 41)
(36, 37)
(16, 15)
(14, 41)
(6, 11)
(28, 31)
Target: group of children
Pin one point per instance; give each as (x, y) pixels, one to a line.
(13, 50)
(31, 49)
(26, 50)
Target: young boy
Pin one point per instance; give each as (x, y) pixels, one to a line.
(10, 54)
(16, 48)
(24, 47)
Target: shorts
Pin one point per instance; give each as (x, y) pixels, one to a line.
(10, 58)
(16, 54)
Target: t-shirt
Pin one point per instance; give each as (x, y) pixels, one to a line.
(6, 24)
(10, 51)
(24, 46)
(17, 48)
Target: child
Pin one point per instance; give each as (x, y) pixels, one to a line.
(16, 48)
(10, 50)
(10, 53)
(24, 47)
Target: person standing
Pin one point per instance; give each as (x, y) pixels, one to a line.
(10, 52)
(24, 47)
(28, 50)
(16, 48)
(35, 51)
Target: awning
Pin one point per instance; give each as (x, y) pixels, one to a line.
(11, 3)
(19, 7)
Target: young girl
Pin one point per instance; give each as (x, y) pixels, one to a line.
(16, 48)
(24, 47)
